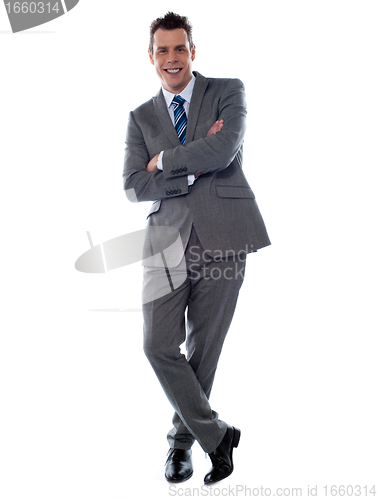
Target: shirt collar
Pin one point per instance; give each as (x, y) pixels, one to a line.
(185, 94)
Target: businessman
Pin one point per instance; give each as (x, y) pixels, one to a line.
(184, 152)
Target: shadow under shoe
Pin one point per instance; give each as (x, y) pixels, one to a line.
(221, 458)
(178, 466)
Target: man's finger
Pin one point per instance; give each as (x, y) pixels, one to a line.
(217, 127)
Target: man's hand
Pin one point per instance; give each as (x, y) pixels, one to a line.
(152, 165)
(217, 127)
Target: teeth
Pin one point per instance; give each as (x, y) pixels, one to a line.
(173, 70)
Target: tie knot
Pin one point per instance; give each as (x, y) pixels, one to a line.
(178, 100)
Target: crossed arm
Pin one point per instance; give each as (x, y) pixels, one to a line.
(152, 165)
(144, 182)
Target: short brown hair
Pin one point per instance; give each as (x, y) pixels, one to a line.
(171, 21)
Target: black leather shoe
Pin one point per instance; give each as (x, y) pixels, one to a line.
(178, 466)
(221, 458)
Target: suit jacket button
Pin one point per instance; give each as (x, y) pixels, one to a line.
(172, 172)
(184, 169)
(179, 191)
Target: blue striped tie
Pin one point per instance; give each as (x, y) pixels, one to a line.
(180, 117)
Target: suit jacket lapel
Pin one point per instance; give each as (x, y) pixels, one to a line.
(165, 119)
(195, 104)
(194, 109)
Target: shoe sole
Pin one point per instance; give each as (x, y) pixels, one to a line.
(236, 438)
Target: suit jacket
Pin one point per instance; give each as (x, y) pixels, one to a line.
(220, 204)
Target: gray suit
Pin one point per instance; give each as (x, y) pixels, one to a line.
(219, 217)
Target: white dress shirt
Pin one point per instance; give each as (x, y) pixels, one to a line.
(168, 96)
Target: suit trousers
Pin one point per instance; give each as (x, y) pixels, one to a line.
(199, 311)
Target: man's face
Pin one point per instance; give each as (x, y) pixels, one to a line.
(172, 59)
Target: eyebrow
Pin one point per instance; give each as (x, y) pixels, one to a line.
(177, 47)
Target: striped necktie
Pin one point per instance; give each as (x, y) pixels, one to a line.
(180, 117)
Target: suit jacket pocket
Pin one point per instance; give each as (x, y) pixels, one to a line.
(235, 192)
(154, 208)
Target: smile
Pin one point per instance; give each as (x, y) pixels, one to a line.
(173, 71)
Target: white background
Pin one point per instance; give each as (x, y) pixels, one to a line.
(82, 413)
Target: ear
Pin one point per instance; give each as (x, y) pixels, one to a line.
(193, 53)
(151, 57)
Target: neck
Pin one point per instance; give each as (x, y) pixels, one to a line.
(176, 92)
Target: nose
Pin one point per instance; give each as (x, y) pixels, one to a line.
(172, 56)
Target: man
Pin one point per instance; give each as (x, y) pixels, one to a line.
(184, 151)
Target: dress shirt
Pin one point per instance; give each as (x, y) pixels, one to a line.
(168, 96)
